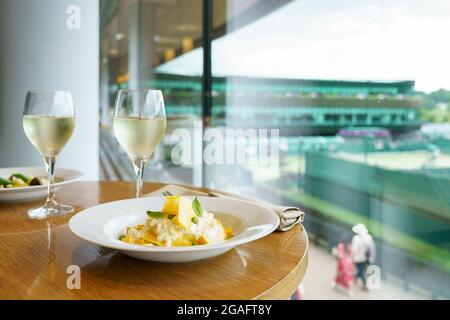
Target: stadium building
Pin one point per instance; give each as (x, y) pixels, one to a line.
(295, 106)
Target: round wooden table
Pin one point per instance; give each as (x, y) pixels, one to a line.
(40, 259)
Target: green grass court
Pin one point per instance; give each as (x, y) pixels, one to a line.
(403, 160)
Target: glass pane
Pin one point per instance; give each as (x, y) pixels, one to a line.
(139, 40)
(354, 90)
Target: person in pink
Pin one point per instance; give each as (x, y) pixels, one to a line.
(344, 275)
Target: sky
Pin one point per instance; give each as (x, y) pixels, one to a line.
(337, 39)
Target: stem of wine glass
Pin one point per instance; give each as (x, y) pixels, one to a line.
(139, 167)
(50, 166)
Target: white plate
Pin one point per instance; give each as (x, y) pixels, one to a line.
(102, 224)
(34, 192)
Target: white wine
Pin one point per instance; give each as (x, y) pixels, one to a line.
(139, 136)
(48, 134)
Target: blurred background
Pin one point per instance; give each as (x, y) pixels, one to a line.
(360, 91)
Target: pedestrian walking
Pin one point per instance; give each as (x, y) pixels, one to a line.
(363, 252)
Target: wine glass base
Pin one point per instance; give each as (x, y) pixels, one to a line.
(47, 211)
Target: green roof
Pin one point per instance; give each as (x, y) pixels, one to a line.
(172, 81)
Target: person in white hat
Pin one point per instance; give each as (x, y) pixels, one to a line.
(363, 251)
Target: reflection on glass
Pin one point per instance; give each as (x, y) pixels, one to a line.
(138, 39)
(364, 133)
(364, 137)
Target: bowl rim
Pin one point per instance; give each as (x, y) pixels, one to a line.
(74, 175)
(266, 229)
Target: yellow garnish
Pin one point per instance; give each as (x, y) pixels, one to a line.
(140, 241)
(228, 232)
(150, 237)
(181, 242)
(128, 239)
(171, 205)
(202, 240)
(181, 207)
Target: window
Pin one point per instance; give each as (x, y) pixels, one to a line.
(363, 127)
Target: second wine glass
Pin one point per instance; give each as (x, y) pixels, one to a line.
(139, 124)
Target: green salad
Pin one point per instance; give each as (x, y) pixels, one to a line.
(17, 180)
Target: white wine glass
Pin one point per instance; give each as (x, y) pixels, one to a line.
(48, 122)
(139, 124)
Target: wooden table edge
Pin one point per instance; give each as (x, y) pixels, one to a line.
(284, 289)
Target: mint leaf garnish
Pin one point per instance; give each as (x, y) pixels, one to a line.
(155, 214)
(197, 207)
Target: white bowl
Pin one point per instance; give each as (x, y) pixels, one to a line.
(102, 224)
(34, 192)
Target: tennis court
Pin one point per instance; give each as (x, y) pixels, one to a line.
(403, 160)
